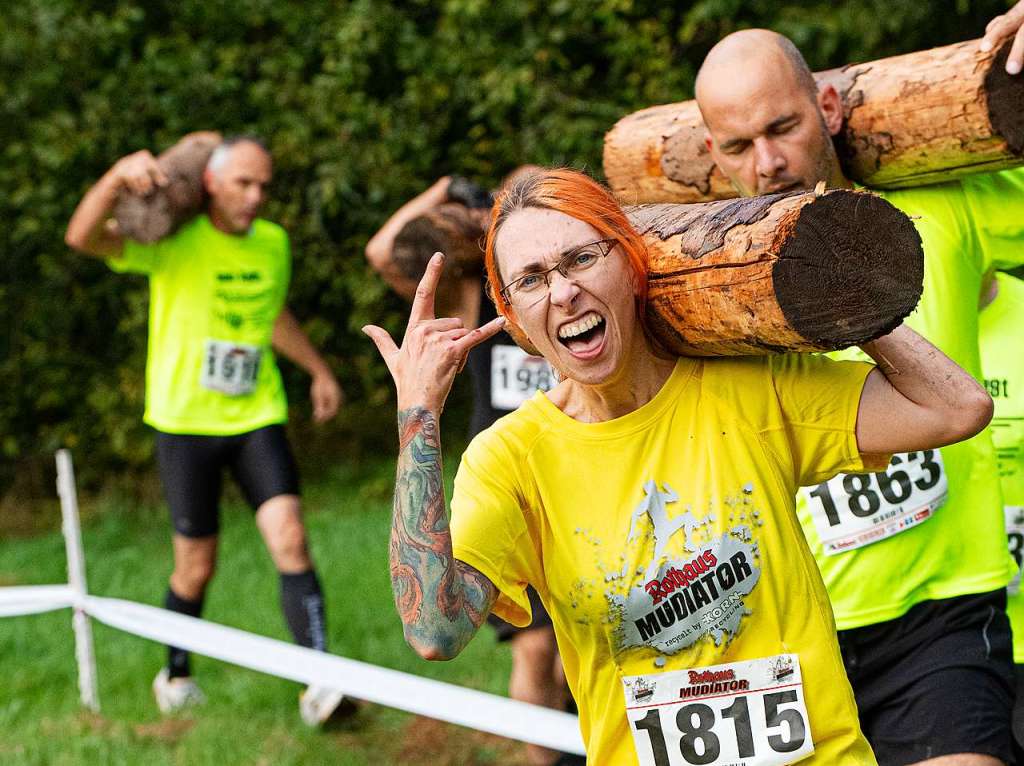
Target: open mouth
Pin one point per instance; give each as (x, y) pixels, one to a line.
(585, 335)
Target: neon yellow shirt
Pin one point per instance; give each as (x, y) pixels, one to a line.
(930, 526)
(665, 541)
(1002, 359)
(213, 302)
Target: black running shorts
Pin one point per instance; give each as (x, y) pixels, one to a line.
(937, 681)
(191, 469)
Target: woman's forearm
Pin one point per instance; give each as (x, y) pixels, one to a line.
(441, 600)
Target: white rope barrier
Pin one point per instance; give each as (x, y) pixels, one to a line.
(33, 599)
(404, 691)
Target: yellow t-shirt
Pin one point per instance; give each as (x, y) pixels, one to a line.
(666, 540)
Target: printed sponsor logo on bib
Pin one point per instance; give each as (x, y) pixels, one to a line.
(856, 509)
(516, 376)
(750, 713)
(229, 367)
(1015, 540)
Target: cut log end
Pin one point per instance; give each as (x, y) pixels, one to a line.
(850, 272)
(1004, 97)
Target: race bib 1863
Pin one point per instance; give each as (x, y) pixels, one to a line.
(750, 713)
(856, 509)
(516, 376)
(229, 367)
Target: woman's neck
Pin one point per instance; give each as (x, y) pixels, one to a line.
(641, 376)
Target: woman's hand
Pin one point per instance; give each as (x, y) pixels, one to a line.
(433, 350)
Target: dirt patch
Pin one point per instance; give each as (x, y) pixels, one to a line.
(167, 730)
(427, 741)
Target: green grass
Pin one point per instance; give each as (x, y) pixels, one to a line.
(250, 718)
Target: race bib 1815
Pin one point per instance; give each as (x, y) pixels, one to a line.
(229, 367)
(516, 376)
(856, 509)
(750, 713)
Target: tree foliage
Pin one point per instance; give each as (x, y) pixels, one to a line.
(363, 103)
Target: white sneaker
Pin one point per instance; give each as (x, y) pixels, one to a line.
(174, 694)
(318, 703)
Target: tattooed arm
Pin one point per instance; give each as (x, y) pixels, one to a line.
(441, 600)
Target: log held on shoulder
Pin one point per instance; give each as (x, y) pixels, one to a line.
(779, 273)
(911, 120)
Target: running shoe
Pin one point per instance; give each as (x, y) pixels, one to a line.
(320, 704)
(174, 694)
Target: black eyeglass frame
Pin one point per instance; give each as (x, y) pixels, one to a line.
(560, 267)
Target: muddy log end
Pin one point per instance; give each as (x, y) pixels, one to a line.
(1004, 97)
(849, 271)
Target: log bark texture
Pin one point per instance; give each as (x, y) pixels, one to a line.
(159, 213)
(779, 273)
(911, 120)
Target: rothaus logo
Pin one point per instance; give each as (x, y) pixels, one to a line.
(679, 578)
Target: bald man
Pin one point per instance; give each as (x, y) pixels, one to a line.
(214, 394)
(914, 558)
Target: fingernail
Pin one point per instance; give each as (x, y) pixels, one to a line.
(986, 46)
(1013, 67)
(502, 321)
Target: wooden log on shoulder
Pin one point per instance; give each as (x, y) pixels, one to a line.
(779, 273)
(911, 120)
(152, 217)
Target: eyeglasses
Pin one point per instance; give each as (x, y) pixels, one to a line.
(532, 288)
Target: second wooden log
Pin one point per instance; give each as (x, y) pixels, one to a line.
(910, 120)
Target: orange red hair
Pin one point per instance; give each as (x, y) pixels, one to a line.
(579, 196)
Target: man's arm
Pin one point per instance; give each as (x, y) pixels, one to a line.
(378, 249)
(918, 398)
(289, 339)
(91, 230)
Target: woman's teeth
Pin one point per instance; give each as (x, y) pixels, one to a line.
(588, 322)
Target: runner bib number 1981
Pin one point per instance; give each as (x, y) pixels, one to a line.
(229, 367)
(749, 713)
(516, 376)
(856, 509)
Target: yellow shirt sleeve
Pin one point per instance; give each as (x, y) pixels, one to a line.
(489, 523)
(819, 399)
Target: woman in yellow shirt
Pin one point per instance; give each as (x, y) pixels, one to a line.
(647, 498)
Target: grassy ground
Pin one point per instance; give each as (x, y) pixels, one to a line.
(250, 718)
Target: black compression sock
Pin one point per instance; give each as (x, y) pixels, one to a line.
(303, 606)
(177, 659)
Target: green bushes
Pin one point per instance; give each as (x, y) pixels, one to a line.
(363, 103)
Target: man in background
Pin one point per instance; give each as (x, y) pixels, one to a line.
(214, 393)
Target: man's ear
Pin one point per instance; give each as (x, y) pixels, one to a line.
(707, 140)
(208, 180)
(831, 107)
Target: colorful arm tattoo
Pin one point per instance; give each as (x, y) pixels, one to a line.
(441, 600)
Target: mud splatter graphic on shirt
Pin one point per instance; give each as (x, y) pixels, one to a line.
(697, 590)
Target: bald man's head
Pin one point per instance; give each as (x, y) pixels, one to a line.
(769, 128)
